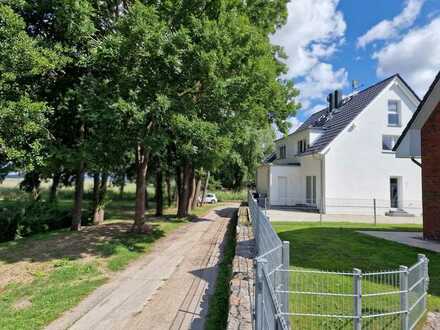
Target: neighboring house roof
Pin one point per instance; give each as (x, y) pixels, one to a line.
(334, 122)
(417, 112)
(270, 158)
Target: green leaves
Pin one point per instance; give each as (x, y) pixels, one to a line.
(23, 133)
(23, 119)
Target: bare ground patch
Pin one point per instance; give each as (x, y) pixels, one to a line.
(22, 261)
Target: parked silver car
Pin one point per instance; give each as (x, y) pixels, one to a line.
(210, 199)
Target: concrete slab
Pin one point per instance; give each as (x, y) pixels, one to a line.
(414, 239)
(289, 215)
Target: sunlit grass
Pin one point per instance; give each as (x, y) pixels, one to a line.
(339, 247)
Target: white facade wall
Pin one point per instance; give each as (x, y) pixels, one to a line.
(296, 182)
(356, 168)
(291, 143)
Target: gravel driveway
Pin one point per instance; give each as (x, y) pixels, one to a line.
(167, 289)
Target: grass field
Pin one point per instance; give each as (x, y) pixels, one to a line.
(46, 274)
(338, 247)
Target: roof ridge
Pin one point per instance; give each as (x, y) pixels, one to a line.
(351, 98)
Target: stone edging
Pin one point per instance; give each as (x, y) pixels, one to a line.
(242, 282)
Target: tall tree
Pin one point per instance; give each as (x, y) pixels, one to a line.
(23, 117)
(140, 60)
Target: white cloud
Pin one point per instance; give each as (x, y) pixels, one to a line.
(387, 29)
(415, 56)
(321, 80)
(294, 122)
(314, 31)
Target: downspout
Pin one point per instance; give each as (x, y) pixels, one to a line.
(416, 162)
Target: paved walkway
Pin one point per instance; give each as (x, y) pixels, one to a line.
(167, 289)
(414, 239)
(297, 216)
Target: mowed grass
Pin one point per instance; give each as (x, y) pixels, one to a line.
(337, 247)
(44, 275)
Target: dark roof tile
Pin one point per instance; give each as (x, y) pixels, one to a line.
(335, 122)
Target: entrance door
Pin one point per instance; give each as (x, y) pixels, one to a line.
(311, 190)
(394, 192)
(282, 190)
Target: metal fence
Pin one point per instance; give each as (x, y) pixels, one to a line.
(394, 299)
(372, 210)
(271, 299)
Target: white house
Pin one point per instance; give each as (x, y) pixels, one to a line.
(340, 160)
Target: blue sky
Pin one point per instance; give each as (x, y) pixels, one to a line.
(332, 42)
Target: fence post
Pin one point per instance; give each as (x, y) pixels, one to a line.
(285, 280)
(404, 317)
(423, 273)
(375, 212)
(259, 294)
(357, 302)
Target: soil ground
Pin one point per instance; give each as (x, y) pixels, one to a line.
(167, 289)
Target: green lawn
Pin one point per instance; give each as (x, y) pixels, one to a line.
(63, 267)
(338, 247)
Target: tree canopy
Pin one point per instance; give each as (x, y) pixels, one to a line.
(189, 86)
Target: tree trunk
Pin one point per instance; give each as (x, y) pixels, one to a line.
(78, 199)
(198, 185)
(121, 189)
(159, 191)
(95, 195)
(168, 183)
(185, 191)
(54, 187)
(178, 188)
(147, 204)
(192, 190)
(141, 172)
(205, 187)
(99, 198)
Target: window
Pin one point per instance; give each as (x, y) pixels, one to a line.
(393, 113)
(302, 146)
(283, 152)
(388, 142)
(311, 190)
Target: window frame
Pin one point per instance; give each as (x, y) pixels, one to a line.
(396, 112)
(283, 152)
(394, 141)
(302, 146)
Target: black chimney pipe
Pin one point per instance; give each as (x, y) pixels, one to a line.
(330, 99)
(338, 98)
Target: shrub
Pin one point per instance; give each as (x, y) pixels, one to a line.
(226, 195)
(26, 219)
(9, 217)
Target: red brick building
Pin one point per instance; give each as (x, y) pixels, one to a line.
(421, 139)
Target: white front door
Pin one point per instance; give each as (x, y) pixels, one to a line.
(311, 190)
(282, 190)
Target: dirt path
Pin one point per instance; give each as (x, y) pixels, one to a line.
(167, 289)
